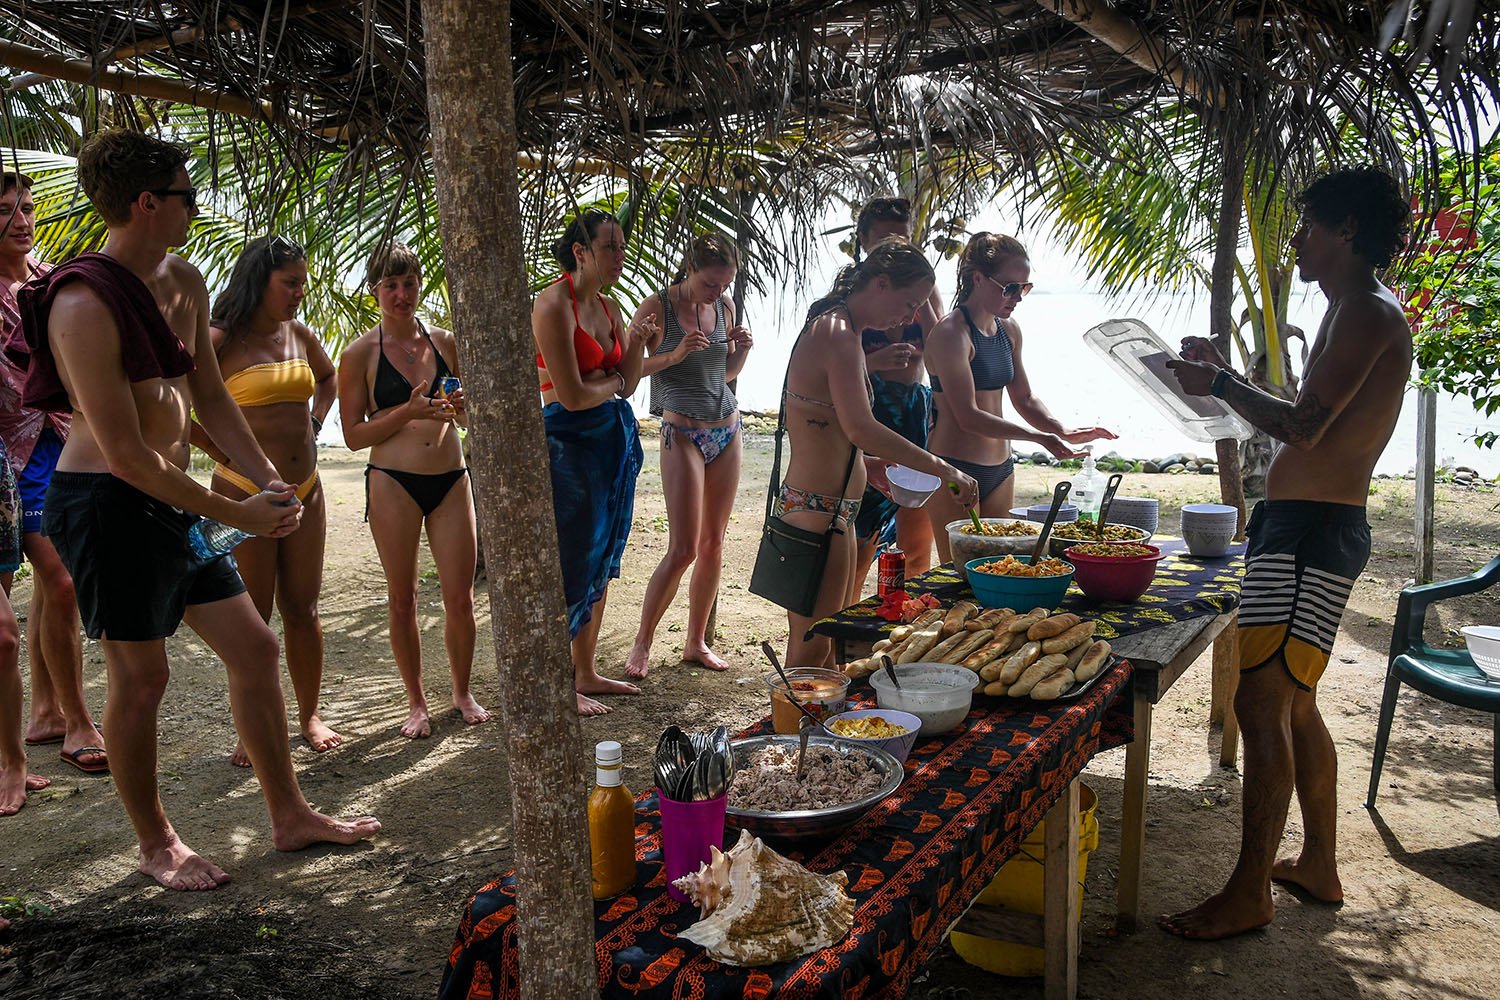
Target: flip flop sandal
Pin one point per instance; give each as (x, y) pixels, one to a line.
(101, 767)
(50, 739)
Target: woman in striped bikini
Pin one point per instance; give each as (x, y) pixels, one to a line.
(699, 350)
(974, 357)
(278, 373)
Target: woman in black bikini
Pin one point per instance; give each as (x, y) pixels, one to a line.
(392, 400)
(974, 357)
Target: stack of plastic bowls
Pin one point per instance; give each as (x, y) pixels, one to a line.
(1208, 528)
(1038, 512)
(1141, 512)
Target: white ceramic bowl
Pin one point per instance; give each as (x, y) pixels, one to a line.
(937, 693)
(910, 488)
(1484, 647)
(1209, 513)
(1208, 542)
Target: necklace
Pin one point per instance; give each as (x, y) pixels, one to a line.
(411, 355)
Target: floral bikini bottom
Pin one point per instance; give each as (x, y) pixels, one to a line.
(793, 500)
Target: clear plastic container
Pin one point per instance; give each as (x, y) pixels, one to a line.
(1141, 356)
(1088, 488)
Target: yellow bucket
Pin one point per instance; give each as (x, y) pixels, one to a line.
(1018, 886)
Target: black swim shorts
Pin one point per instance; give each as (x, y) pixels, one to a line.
(129, 558)
(1301, 564)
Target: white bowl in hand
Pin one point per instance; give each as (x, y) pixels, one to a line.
(910, 488)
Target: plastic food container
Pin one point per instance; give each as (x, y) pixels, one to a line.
(1117, 578)
(939, 694)
(966, 546)
(910, 488)
(1019, 592)
(1484, 646)
(823, 692)
(897, 746)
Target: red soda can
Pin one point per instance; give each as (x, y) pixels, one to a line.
(891, 572)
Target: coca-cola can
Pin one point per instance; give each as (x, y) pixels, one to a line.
(891, 572)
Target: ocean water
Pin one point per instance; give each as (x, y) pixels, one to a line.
(1079, 386)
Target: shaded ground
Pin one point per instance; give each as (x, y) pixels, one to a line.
(1422, 877)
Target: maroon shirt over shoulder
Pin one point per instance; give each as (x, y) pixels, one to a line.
(148, 347)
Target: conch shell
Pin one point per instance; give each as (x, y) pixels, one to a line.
(759, 908)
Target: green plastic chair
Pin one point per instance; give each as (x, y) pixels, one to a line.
(1446, 674)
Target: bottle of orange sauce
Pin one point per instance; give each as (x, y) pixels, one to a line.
(611, 824)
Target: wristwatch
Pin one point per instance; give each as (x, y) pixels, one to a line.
(1221, 378)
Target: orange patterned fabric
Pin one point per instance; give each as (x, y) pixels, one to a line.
(914, 862)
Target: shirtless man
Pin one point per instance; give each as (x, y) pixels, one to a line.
(1308, 539)
(121, 337)
(34, 439)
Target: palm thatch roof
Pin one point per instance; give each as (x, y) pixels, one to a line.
(616, 81)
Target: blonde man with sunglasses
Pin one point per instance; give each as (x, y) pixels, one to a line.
(974, 357)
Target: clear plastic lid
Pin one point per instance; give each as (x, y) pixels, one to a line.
(1138, 353)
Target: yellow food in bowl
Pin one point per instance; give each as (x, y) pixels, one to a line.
(1088, 531)
(1011, 566)
(1003, 529)
(867, 727)
(1112, 550)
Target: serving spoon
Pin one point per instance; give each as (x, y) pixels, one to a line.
(1109, 498)
(1059, 494)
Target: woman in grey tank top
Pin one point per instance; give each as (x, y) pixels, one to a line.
(699, 351)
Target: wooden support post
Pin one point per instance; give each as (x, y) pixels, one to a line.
(1060, 908)
(1426, 482)
(1133, 823)
(1226, 680)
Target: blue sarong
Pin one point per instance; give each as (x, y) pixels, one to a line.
(907, 410)
(595, 456)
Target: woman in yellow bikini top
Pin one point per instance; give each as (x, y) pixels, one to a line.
(277, 371)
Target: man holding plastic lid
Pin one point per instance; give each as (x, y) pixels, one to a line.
(1309, 539)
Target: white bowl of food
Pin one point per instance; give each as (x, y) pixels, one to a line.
(1003, 536)
(939, 694)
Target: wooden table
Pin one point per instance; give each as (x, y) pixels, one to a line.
(1160, 655)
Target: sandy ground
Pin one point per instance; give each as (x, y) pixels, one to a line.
(1422, 876)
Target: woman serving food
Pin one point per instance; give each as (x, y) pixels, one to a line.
(974, 357)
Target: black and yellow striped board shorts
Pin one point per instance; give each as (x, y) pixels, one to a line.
(1301, 564)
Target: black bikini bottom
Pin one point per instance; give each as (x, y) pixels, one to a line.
(427, 489)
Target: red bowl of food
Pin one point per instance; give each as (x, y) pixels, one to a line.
(1114, 571)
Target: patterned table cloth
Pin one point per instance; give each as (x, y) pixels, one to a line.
(1186, 586)
(914, 863)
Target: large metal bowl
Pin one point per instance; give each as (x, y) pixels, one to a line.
(810, 824)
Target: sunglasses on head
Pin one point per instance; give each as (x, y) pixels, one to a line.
(1010, 289)
(189, 196)
(283, 250)
(888, 208)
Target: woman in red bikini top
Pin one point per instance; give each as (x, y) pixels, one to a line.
(588, 364)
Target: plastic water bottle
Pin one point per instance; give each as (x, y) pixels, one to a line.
(1088, 489)
(210, 539)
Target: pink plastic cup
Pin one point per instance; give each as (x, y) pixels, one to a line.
(688, 830)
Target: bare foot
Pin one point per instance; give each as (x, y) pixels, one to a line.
(1220, 916)
(239, 758)
(319, 736)
(604, 685)
(4, 924)
(588, 706)
(473, 712)
(418, 725)
(314, 828)
(45, 729)
(13, 789)
(705, 656)
(1318, 881)
(638, 663)
(179, 867)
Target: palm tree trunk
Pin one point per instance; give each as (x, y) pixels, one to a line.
(1221, 299)
(470, 98)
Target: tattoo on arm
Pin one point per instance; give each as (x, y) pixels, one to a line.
(819, 424)
(1292, 423)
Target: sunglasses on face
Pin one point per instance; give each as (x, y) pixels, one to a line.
(1010, 289)
(189, 196)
